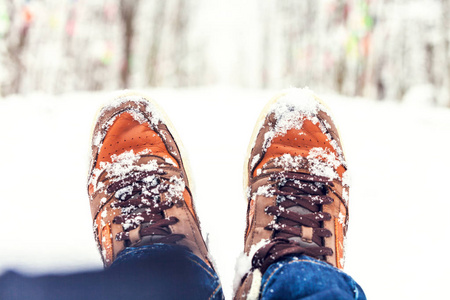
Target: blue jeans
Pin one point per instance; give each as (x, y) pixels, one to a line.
(168, 272)
(303, 277)
(149, 272)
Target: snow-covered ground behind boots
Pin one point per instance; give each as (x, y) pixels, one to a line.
(399, 157)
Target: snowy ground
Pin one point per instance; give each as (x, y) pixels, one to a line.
(399, 157)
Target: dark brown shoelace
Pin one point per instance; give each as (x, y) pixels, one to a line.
(296, 190)
(139, 197)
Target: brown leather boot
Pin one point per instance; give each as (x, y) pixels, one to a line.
(138, 186)
(297, 190)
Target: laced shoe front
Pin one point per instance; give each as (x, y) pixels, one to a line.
(297, 186)
(138, 186)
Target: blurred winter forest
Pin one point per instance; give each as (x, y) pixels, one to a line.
(384, 49)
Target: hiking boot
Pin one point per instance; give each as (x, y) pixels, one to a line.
(138, 186)
(297, 191)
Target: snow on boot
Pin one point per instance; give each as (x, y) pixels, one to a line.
(138, 186)
(297, 188)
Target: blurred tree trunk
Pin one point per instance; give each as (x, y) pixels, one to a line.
(16, 42)
(445, 36)
(341, 73)
(364, 51)
(128, 10)
(155, 45)
(180, 42)
(380, 53)
(288, 9)
(266, 37)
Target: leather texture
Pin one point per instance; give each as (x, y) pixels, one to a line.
(320, 132)
(130, 125)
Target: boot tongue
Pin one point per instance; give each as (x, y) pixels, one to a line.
(301, 211)
(153, 182)
(287, 163)
(148, 240)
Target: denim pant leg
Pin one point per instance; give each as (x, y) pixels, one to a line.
(303, 277)
(149, 272)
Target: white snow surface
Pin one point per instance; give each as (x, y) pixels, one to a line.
(398, 156)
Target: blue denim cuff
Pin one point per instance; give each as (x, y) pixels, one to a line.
(303, 277)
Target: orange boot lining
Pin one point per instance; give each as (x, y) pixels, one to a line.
(127, 134)
(298, 142)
